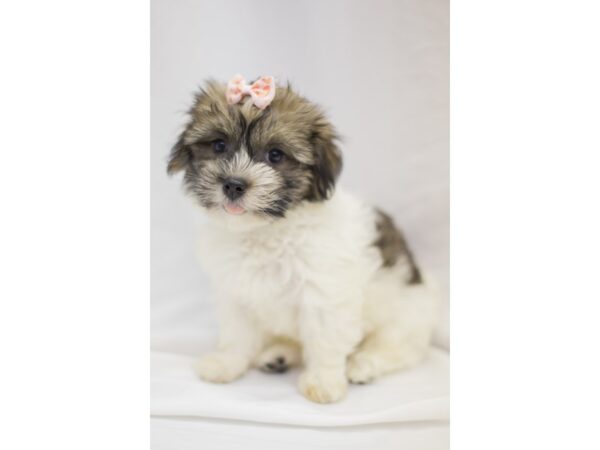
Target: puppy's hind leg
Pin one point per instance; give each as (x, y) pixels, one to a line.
(402, 319)
(279, 356)
(386, 351)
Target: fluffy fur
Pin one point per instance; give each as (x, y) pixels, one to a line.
(301, 274)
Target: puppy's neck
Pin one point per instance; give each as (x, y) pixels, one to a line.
(303, 214)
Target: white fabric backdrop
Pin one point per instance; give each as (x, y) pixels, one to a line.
(380, 68)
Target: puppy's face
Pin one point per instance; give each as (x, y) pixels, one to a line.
(240, 160)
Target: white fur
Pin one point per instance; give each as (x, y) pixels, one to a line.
(313, 278)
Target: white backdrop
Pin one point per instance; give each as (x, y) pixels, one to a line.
(380, 69)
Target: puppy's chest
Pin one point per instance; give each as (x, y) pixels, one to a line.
(266, 274)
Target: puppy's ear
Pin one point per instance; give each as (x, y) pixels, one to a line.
(328, 161)
(208, 111)
(179, 158)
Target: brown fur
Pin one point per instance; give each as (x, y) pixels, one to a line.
(291, 123)
(393, 246)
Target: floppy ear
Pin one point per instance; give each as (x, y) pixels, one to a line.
(179, 158)
(328, 162)
(208, 102)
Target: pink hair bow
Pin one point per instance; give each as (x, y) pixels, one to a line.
(262, 91)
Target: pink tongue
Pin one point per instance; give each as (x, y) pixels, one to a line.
(234, 209)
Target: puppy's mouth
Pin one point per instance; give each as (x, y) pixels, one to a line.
(234, 209)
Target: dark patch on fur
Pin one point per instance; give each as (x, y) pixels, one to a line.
(278, 207)
(328, 162)
(393, 246)
(278, 365)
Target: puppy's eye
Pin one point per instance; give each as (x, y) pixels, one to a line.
(219, 146)
(275, 156)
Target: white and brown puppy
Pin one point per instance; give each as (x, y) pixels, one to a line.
(302, 273)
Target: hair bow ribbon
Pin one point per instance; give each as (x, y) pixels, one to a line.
(262, 91)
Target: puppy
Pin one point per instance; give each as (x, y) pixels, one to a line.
(303, 273)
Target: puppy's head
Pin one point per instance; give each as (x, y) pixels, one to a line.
(241, 160)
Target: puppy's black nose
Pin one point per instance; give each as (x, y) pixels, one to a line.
(234, 188)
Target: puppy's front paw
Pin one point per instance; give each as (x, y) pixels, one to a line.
(221, 367)
(323, 386)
